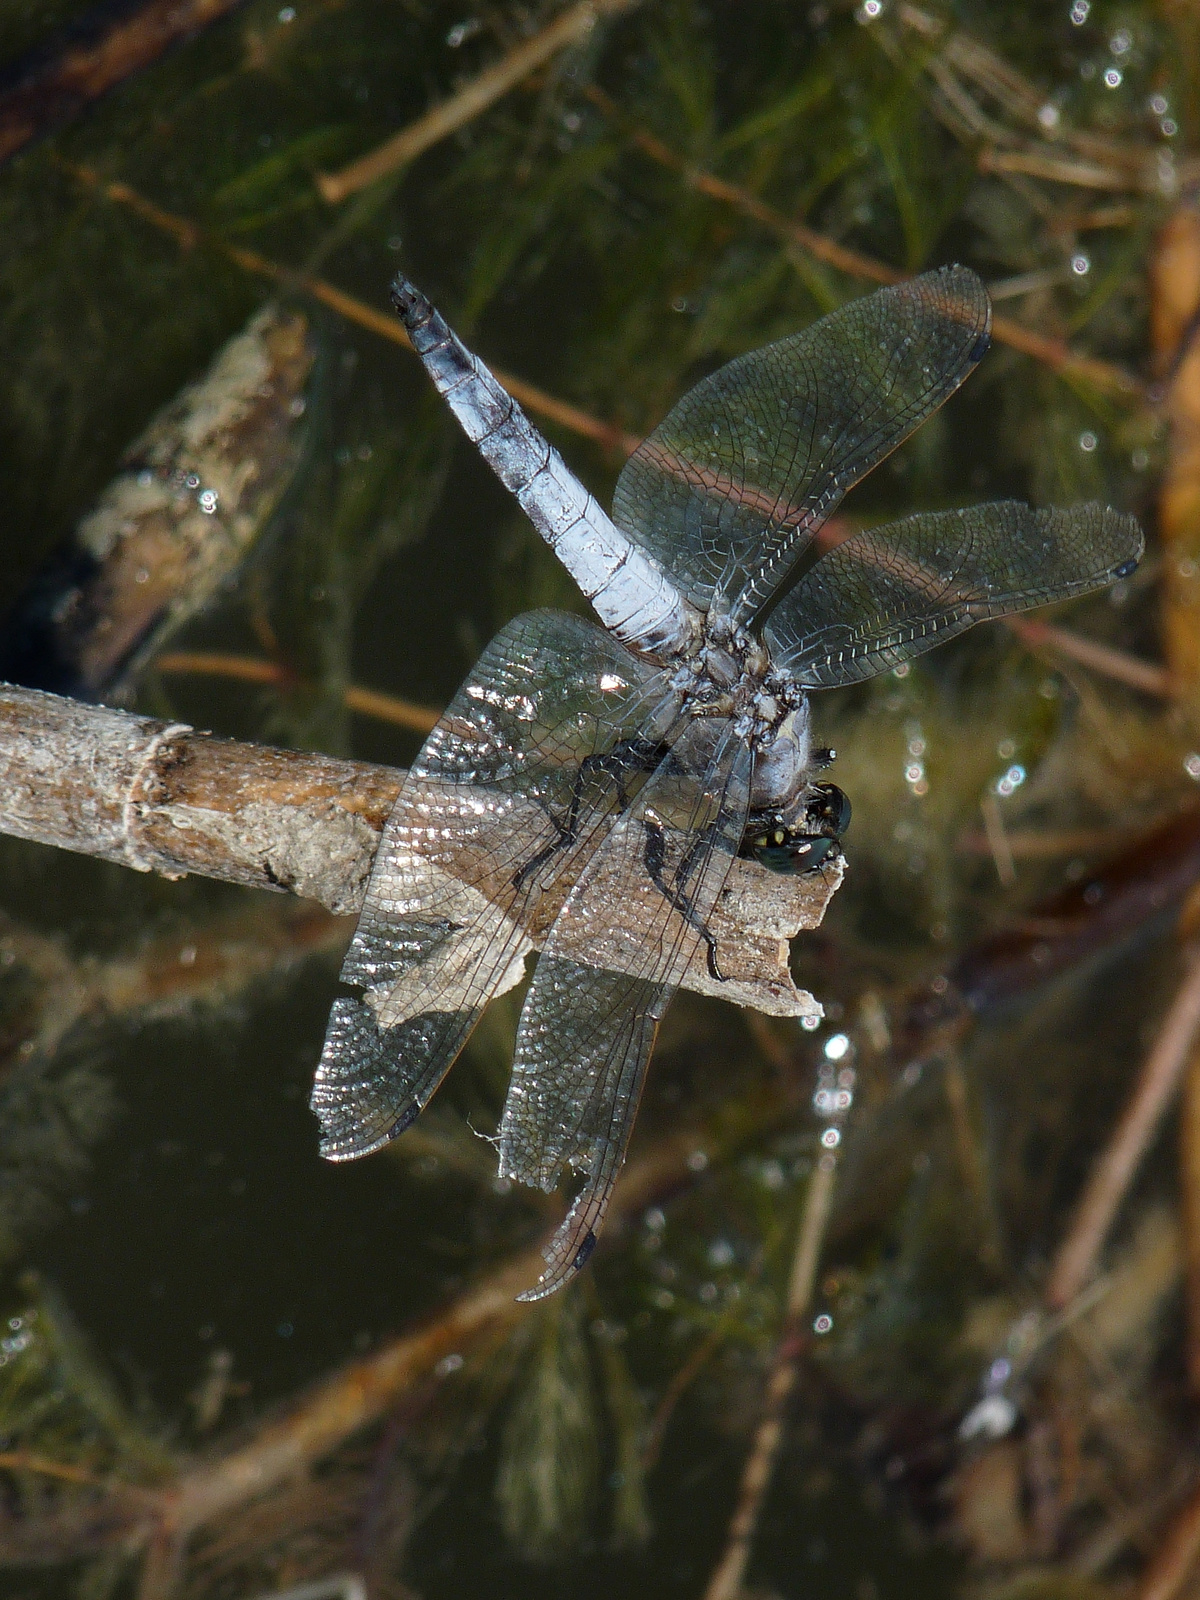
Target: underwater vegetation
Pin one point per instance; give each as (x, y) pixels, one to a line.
(903, 1302)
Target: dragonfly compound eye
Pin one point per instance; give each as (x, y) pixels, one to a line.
(827, 811)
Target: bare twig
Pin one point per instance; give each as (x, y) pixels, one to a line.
(1055, 353)
(54, 90)
(832, 1101)
(188, 235)
(473, 98)
(1141, 880)
(1110, 1178)
(159, 797)
(252, 669)
(1060, 169)
(726, 1581)
(1116, 664)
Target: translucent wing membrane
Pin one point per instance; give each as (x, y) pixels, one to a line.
(514, 788)
(892, 592)
(591, 1015)
(727, 492)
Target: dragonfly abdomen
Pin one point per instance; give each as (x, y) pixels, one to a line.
(631, 593)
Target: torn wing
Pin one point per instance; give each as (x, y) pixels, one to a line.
(590, 1017)
(731, 487)
(890, 593)
(522, 776)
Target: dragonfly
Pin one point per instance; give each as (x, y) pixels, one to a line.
(592, 783)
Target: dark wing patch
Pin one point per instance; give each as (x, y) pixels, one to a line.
(890, 593)
(728, 491)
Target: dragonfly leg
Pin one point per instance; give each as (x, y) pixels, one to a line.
(626, 758)
(655, 855)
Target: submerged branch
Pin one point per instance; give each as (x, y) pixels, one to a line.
(352, 1399)
(1147, 676)
(1054, 353)
(252, 669)
(189, 235)
(159, 797)
(726, 1581)
(52, 91)
(1113, 1172)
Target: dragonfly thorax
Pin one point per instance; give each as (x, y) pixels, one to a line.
(732, 676)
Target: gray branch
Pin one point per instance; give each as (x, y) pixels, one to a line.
(159, 797)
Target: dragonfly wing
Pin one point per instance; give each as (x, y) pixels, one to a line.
(893, 592)
(590, 1017)
(512, 791)
(729, 490)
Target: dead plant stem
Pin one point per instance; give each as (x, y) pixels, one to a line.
(1156, 1085)
(726, 1581)
(251, 669)
(188, 235)
(473, 98)
(1054, 353)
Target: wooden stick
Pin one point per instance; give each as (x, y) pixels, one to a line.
(1113, 1172)
(53, 91)
(160, 797)
(474, 97)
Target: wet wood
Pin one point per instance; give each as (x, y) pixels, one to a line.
(160, 797)
(194, 493)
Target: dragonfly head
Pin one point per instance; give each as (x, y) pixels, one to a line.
(803, 842)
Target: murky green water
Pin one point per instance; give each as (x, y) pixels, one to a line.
(161, 1174)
